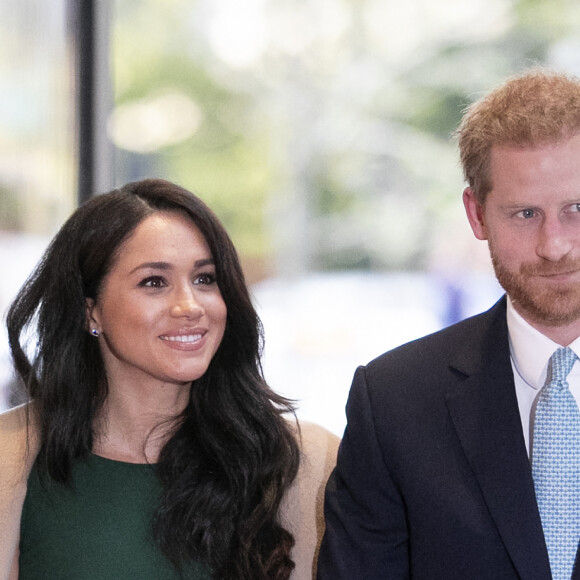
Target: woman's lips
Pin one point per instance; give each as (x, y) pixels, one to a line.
(183, 338)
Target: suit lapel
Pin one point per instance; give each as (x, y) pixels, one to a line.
(484, 411)
(576, 572)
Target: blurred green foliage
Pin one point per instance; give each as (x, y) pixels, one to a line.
(329, 146)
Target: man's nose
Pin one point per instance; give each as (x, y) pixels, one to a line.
(554, 241)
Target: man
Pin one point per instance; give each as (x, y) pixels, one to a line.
(447, 463)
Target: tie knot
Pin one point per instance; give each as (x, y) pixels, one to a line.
(562, 362)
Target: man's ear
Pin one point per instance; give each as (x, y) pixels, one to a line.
(475, 214)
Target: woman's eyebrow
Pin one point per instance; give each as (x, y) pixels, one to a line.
(168, 266)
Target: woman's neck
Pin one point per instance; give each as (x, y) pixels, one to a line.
(134, 428)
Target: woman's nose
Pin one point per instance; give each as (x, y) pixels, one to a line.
(186, 305)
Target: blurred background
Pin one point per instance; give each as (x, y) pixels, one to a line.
(320, 131)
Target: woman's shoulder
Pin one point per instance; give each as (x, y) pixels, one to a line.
(18, 448)
(317, 436)
(318, 450)
(318, 446)
(13, 424)
(14, 418)
(302, 508)
(17, 444)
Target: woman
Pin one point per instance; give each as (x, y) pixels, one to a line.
(155, 449)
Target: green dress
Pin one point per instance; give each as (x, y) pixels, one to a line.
(98, 530)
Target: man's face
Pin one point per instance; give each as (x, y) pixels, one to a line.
(531, 220)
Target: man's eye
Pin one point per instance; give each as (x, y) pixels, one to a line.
(527, 213)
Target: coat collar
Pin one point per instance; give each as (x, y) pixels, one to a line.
(484, 411)
(18, 449)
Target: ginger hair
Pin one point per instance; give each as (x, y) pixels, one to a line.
(536, 108)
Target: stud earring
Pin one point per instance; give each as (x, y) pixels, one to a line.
(95, 332)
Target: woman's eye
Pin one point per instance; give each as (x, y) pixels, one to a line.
(205, 279)
(153, 282)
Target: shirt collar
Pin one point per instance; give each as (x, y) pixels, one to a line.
(530, 350)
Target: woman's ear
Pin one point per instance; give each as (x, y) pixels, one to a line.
(92, 322)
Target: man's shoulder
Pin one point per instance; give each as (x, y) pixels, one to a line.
(472, 335)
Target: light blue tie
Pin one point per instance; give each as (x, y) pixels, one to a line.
(556, 465)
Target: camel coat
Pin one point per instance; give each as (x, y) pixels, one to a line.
(301, 511)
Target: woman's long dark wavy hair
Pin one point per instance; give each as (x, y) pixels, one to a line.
(231, 455)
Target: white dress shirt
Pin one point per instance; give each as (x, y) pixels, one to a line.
(530, 352)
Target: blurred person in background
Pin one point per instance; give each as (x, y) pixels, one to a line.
(461, 455)
(152, 446)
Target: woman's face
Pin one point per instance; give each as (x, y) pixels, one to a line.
(160, 313)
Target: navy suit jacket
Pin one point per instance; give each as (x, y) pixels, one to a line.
(433, 480)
